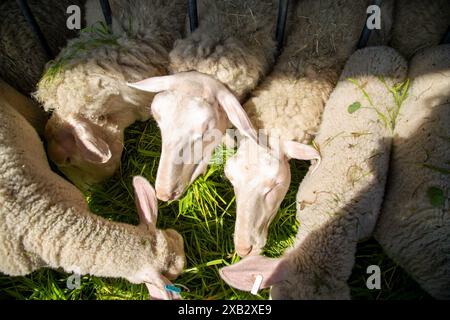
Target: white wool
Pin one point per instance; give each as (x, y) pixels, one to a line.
(339, 204)
(413, 231)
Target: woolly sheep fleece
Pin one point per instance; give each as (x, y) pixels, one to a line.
(413, 231)
(45, 221)
(339, 204)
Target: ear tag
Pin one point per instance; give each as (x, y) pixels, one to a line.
(257, 285)
(173, 288)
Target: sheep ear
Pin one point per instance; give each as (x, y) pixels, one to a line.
(300, 151)
(155, 84)
(92, 148)
(146, 202)
(157, 290)
(236, 114)
(242, 275)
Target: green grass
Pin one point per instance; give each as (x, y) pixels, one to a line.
(205, 217)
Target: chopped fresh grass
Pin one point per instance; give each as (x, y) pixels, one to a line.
(95, 36)
(387, 114)
(205, 217)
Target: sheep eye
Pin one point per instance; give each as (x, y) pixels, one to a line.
(101, 118)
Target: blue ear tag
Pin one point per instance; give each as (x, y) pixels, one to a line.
(172, 288)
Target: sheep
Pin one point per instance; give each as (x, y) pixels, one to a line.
(287, 107)
(22, 57)
(45, 221)
(85, 88)
(414, 229)
(26, 107)
(418, 25)
(216, 65)
(339, 204)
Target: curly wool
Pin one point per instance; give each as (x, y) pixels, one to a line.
(419, 24)
(321, 35)
(234, 43)
(22, 57)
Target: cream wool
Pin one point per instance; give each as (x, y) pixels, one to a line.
(323, 34)
(22, 59)
(234, 43)
(419, 24)
(411, 230)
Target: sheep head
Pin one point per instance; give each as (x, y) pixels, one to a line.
(156, 280)
(261, 177)
(192, 110)
(90, 110)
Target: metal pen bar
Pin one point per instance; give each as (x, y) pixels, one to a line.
(365, 34)
(193, 14)
(106, 9)
(281, 22)
(446, 38)
(26, 12)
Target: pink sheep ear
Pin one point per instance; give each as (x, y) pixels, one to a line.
(146, 201)
(157, 290)
(155, 84)
(302, 151)
(242, 275)
(92, 148)
(236, 113)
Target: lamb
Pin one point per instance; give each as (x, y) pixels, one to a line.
(217, 65)
(287, 109)
(22, 57)
(414, 226)
(45, 221)
(86, 89)
(338, 204)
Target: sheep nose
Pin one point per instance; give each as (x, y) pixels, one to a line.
(243, 251)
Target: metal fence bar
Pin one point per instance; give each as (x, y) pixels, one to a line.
(281, 22)
(107, 14)
(365, 34)
(26, 11)
(446, 38)
(193, 14)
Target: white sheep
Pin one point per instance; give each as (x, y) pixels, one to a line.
(287, 107)
(339, 204)
(22, 58)
(86, 89)
(414, 226)
(232, 49)
(45, 221)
